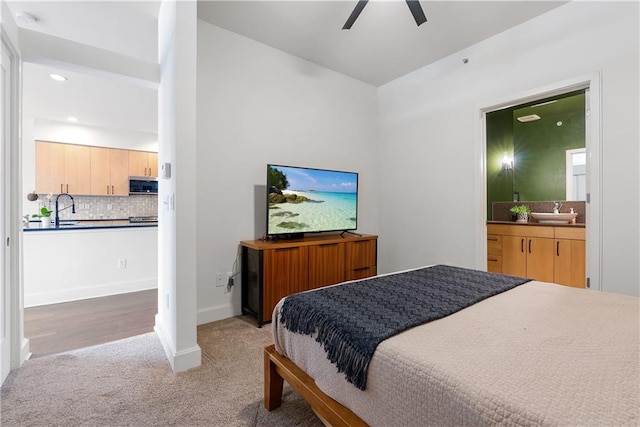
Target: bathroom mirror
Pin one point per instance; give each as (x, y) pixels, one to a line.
(534, 150)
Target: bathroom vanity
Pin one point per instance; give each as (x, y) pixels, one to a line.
(548, 253)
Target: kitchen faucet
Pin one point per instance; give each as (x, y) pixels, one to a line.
(73, 207)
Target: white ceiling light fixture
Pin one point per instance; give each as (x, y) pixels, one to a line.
(26, 18)
(58, 77)
(529, 118)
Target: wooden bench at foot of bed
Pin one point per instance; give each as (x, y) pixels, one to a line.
(278, 368)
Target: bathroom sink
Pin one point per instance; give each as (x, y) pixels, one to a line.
(553, 218)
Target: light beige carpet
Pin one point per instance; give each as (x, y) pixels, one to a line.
(130, 383)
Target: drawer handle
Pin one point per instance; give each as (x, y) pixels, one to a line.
(328, 244)
(491, 259)
(557, 248)
(493, 239)
(360, 268)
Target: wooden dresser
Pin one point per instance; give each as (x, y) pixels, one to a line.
(272, 270)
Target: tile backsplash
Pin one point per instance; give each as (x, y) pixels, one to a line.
(102, 207)
(500, 210)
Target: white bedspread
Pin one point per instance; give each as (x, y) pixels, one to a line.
(540, 354)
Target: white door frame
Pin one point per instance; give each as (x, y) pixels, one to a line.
(12, 209)
(593, 140)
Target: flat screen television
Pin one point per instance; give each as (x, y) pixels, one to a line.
(307, 200)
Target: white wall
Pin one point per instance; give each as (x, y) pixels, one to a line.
(429, 136)
(176, 318)
(68, 265)
(48, 130)
(258, 105)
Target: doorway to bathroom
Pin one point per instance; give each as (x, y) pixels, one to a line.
(506, 164)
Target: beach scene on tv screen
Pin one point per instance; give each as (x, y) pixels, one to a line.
(311, 200)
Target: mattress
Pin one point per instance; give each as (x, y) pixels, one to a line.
(539, 354)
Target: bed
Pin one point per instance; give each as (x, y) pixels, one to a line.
(536, 354)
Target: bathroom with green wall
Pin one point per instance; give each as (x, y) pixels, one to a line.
(535, 149)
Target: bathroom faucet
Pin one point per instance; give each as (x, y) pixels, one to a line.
(556, 207)
(73, 207)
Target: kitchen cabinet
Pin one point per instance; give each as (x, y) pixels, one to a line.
(109, 171)
(544, 253)
(143, 163)
(62, 168)
(271, 270)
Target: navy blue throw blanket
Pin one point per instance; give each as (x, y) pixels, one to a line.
(350, 320)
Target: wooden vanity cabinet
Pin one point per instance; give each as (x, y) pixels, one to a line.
(543, 253)
(271, 270)
(494, 253)
(570, 257)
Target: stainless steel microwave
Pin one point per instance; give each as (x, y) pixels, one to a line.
(143, 185)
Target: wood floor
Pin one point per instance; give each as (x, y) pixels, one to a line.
(71, 325)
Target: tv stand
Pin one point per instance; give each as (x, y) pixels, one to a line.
(271, 270)
(350, 232)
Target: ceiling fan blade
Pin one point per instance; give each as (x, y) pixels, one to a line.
(354, 15)
(416, 11)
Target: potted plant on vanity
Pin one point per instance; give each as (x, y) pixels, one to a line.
(45, 217)
(521, 213)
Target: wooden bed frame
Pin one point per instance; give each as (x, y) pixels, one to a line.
(278, 368)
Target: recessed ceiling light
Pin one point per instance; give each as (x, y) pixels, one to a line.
(529, 118)
(58, 77)
(72, 119)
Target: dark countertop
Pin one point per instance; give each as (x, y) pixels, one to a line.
(536, 224)
(90, 224)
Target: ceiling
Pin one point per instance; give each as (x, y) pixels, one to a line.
(382, 45)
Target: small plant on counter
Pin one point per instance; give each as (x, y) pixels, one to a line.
(44, 212)
(521, 212)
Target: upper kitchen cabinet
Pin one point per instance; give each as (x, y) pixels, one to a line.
(143, 163)
(109, 172)
(62, 168)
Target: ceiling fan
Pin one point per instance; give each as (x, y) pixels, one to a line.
(414, 7)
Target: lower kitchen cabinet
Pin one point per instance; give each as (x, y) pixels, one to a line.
(543, 253)
(272, 270)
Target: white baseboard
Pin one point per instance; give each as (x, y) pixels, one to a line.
(219, 312)
(180, 361)
(102, 290)
(25, 352)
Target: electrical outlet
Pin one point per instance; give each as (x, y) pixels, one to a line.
(122, 263)
(220, 279)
